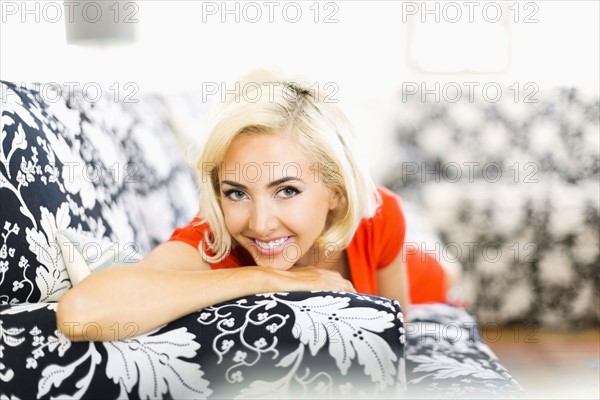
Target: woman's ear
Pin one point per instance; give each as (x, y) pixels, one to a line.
(334, 199)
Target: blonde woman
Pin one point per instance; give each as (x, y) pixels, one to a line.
(286, 205)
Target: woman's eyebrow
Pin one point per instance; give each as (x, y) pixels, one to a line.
(234, 184)
(270, 185)
(284, 180)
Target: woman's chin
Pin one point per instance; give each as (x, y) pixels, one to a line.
(281, 265)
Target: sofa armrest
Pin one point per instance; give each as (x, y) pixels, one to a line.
(276, 345)
(447, 358)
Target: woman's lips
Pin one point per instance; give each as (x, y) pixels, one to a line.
(271, 247)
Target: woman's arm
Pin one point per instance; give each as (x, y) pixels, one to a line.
(172, 281)
(392, 282)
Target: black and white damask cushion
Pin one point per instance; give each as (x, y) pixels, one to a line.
(161, 178)
(278, 345)
(153, 165)
(58, 171)
(447, 358)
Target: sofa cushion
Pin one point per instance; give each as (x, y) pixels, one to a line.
(59, 170)
(275, 345)
(156, 171)
(447, 358)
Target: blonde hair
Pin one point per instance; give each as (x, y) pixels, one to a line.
(265, 102)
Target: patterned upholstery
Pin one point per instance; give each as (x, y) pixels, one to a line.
(512, 188)
(274, 345)
(60, 170)
(92, 168)
(447, 358)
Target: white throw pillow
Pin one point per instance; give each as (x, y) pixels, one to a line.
(84, 254)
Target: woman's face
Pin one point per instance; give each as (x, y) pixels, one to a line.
(273, 200)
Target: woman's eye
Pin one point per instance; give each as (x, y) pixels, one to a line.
(235, 195)
(289, 191)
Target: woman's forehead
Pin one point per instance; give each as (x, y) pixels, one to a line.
(273, 146)
(253, 158)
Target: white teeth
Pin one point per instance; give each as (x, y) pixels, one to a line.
(271, 244)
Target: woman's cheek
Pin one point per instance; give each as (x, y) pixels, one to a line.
(234, 216)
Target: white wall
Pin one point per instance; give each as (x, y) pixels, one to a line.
(364, 53)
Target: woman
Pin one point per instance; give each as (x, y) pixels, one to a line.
(283, 195)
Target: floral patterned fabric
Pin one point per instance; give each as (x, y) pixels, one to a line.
(58, 170)
(279, 345)
(274, 345)
(512, 188)
(164, 187)
(447, 358)
(89, 166)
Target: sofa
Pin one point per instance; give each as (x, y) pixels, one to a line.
(510, 184)
(112, 172)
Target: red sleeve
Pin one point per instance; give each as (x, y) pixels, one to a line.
(427, 279)
(376, 242)
(390, 228)
(191, 233)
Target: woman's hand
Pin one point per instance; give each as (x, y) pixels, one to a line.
(307, 278)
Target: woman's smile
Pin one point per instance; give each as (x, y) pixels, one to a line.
(271, 247)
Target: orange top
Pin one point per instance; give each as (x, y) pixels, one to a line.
(376, 243)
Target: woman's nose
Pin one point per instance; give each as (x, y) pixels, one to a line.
(263, 220)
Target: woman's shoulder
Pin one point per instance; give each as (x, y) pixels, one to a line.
(391, 204)
(388, 218)
(382, 235)
(191, 233)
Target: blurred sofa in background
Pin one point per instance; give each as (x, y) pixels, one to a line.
(511, 187)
